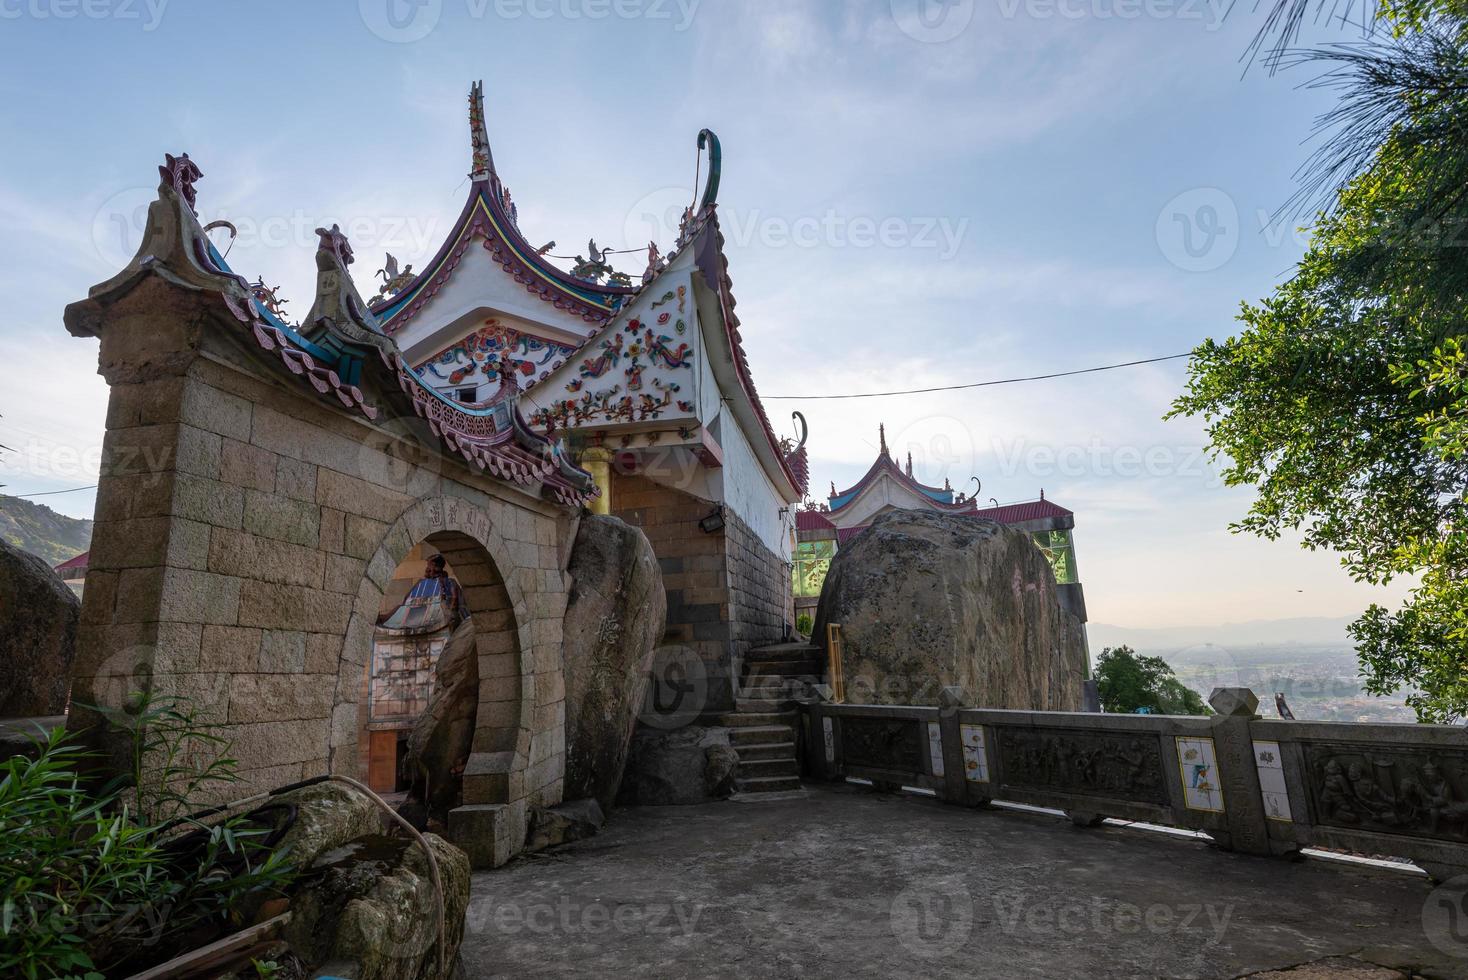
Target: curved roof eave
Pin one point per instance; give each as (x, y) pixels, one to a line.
(484, 217)
(713, 266)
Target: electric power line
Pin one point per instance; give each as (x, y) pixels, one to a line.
(52, 493)
(978, 384)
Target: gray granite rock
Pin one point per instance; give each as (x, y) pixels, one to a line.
(928, 600)
(38, 617)
(672, 768)
(615, 618)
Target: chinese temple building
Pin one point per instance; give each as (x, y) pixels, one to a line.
(645, 382)
(887, 486)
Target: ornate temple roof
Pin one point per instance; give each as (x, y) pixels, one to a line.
(942, 498)
(490, 218)
(340, 349)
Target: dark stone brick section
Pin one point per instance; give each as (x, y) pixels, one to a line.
(727, 592)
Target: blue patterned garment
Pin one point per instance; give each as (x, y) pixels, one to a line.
(436, 603)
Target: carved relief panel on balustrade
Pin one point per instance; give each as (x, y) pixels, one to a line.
(1419, 792)
(890, 744)
(1117, 766)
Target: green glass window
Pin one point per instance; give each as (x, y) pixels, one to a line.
(812, 560)
(1061, 551)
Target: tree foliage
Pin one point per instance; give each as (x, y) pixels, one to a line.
(101, 882)
(1127, 682)
(1344, 398)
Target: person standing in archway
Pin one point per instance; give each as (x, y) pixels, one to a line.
(436, 603)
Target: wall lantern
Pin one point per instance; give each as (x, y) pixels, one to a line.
(713, 523)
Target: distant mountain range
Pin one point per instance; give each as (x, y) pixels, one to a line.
(1319, 631)
(38, 529)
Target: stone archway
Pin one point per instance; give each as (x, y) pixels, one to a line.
(259, 486)
(467, 538)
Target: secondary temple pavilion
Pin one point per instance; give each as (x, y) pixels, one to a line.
(887, 486)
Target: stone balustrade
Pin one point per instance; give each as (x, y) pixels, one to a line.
(1266, 787)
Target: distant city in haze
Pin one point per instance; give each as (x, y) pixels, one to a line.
(1311, 661)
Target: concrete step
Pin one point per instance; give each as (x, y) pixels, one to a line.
(761, 705)
(783, 668)
(773, 784)
(764, 719)
(768, 768)
(764, 751)
(779, 690)
(810, 649)
(784, 653)
(762, 734)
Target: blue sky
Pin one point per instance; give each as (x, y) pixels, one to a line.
(916, 192)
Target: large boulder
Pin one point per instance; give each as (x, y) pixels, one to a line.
(438, 746)
(38, 616)
(615, 618)
(368, 910)
(678, 767)
(927, 600)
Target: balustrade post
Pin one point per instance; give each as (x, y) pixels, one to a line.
(1233, 748)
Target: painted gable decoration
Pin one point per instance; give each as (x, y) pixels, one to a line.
(638, 369)
(485, 353)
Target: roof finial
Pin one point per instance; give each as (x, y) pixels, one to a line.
(1042, 493)
(479, 135)
(882, 434)
(909, 463)
(833, 488)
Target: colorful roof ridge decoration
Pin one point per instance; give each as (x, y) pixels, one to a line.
(335, 354)
(943, 497)
(489, 216)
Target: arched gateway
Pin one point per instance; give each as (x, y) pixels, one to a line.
(260, 484)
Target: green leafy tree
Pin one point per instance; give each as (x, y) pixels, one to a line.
(1344, 398)
(1126, 682)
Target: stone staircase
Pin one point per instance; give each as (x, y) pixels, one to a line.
(763, 723)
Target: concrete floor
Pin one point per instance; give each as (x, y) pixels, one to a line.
(846, 882)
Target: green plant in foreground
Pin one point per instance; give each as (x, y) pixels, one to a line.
(101, 882)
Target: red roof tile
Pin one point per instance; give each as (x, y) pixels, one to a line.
(812, 520)
(1031, 510)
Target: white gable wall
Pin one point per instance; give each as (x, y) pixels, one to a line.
(883, 492)
(480, 283)
(748, 491)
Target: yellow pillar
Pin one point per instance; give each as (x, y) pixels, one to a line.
(598, 462)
